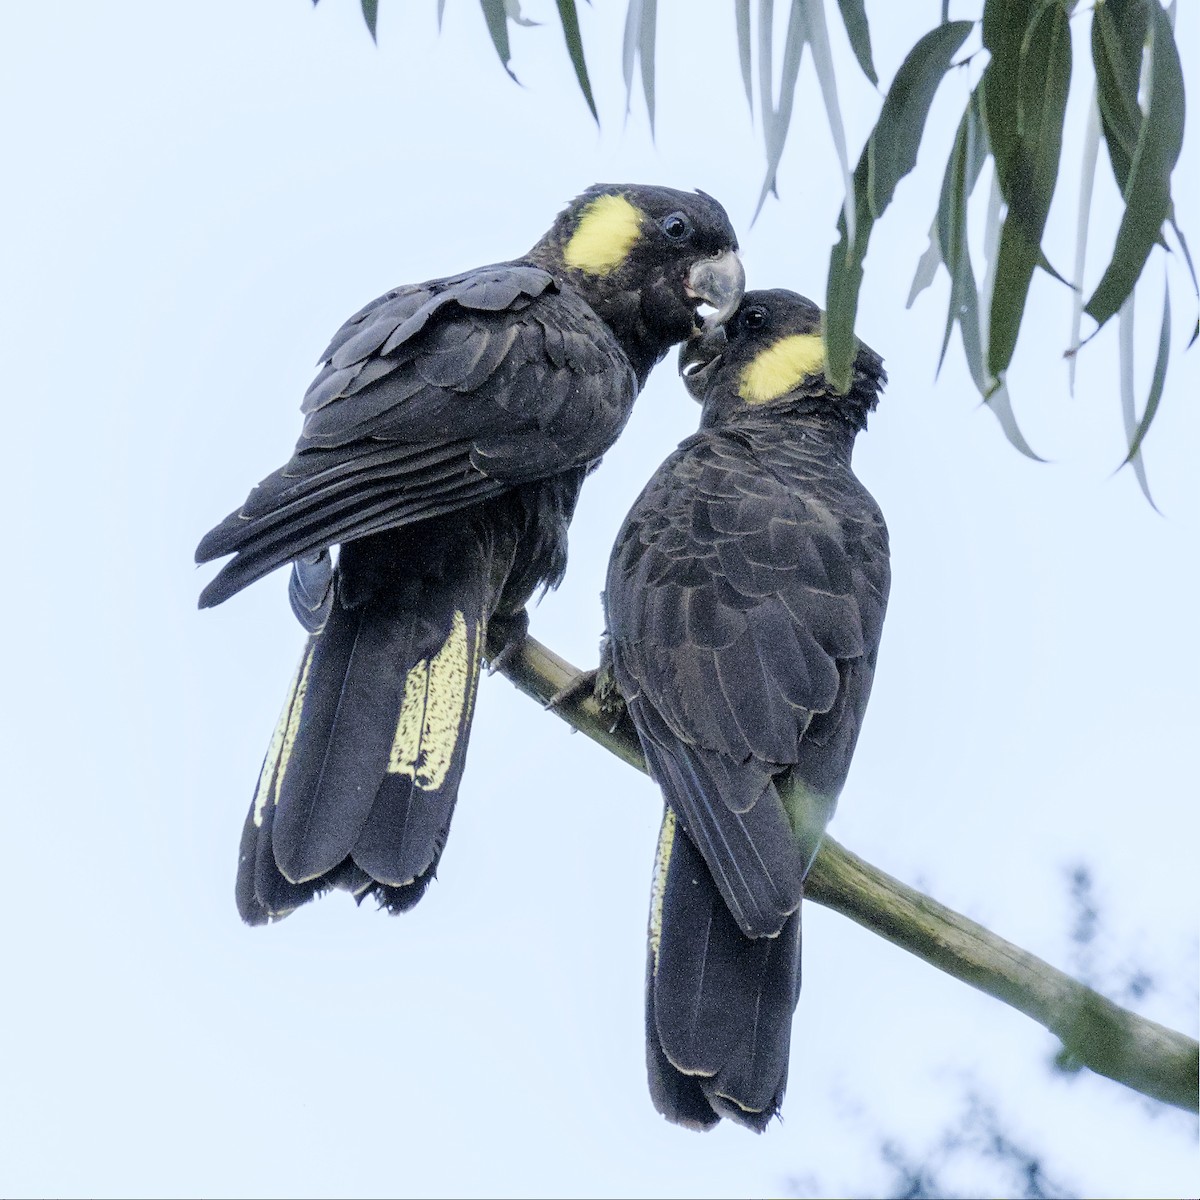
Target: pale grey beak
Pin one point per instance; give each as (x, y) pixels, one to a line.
(719, 281)
(699, 357)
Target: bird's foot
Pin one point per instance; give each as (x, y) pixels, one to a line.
(585, 681)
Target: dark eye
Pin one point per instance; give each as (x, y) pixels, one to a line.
(754, 318)
(676, 226)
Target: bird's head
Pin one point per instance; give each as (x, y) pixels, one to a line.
(771, 353)
(655, 263)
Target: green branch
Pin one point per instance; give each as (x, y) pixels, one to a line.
(1095, 1032)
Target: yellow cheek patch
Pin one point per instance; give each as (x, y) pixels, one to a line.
(437, 692)
(781, 367)
(606, 233)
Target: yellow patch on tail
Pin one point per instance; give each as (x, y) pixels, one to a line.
(662, 860)
(283, 739)
(781, 367)
(605, 234)
(436, 694)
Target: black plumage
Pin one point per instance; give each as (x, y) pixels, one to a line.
(445, 442)
(745, 602)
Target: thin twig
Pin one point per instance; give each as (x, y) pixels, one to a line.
(1096, 1033)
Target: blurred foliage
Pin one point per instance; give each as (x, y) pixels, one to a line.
(1013, 119)
(975, 1155)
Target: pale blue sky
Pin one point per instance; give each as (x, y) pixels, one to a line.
(197, 195)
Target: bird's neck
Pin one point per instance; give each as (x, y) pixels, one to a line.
(618, 307)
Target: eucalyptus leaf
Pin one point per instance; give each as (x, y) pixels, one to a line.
(1005, 23)
(962, 170)
(1087, 178)
(996, 395)
(1118, 36)
(370, 12)
(633, 22)
(818, 39)
(781, 116)
(513, 9)
(1157, 382)
(497, 24)
(991, 247)
(1000, 403)
(441, 12)
(646, 40)
(1128, 404)
(570, 25)
(891, 151)
(1187, 258)
(1148, 189)
(641, 20)
(1044, 77)
(854, 17)
(741, 12)
(766, 90)
(927, 266)
(889, 155)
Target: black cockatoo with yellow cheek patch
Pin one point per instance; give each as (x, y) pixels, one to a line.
(444, 445)
(744, 603)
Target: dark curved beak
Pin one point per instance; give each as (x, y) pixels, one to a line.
(719, 281)
(699, 357)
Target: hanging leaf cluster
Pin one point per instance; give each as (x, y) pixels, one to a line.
(1013, 119)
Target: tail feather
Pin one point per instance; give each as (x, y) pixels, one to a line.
(751, 849)
(360, 781)
(262, 893)
(719, 1004)
(406, 829)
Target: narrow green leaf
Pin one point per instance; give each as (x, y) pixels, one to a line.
(1087, 178)
(781, 116)
(1046, 265)
(766, 89)
(891, 151)
(854, 17)
(1005, 23)
(945, 11)
(1044, 77)
(1128, 409)
(1000, 402)
(646, 41)
(513, 9)
(889, 155)
(497, 25)
(818, 39)
(965, 158)
(1156, 383)
(441, 12)
(927, 266)
(1148, 190)
(633, 21)
(976, 155)
(1118, 36)
(995, 394)
(370, 12)
(741, 12)
(570, 25)
(991, 249)
(1187, 254)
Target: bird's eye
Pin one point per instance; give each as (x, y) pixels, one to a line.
(754, 318)
(676, 226)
